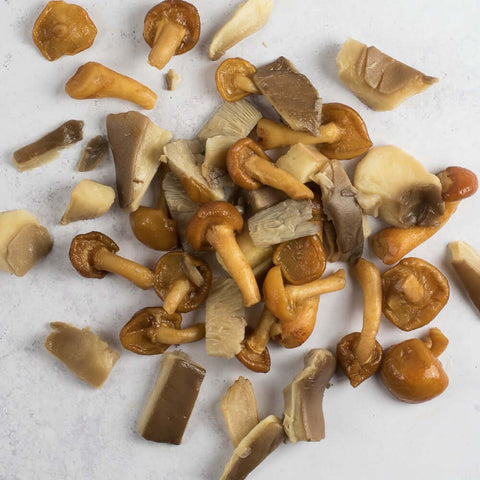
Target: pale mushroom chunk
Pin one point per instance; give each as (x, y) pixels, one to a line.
(82, 352)
(214, 168)
(172, 79)
(302, 161)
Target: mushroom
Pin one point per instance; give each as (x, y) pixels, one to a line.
(214, 165)
(213, 226)
(260, 199)
(359, 354)
(63, 29)
(172, 79)
(171, 28)
(93, 154)
(414, 292)
(94, 254)
(170, 404)
(411, 371)
(458, 183)
(342, 135)
(182, 281)
(250, 16)
(233, 79)
(295, 306)
(46, 148)
(249, 167)
(94, 80)
(376, 79)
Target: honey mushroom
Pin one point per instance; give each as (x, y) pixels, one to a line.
(94, 80)
(171, 28)
(181, 281)
(93, 254)
(342, 135)
(250, 168)
(359, 353)
(233, 81)
(214, 226)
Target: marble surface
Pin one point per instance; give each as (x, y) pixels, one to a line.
(53, 426)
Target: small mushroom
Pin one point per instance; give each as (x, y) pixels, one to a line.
(172, 80)
(94, 80)
(233, 79)
(93, 154)
(63, 29)
(359, 354)
(94, 254)
(171, 28)
(458, 183)
(250, 168)
(411, 371)
(214, 226)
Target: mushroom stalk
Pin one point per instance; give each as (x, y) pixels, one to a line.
(332, 283)
(168, 38)
(412, 289)
(258, 340)
(175, 336)
(242, 82)
(176, 294)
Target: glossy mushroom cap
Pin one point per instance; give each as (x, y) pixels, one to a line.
(227, 75)
(154, 228)
(254, 361)
(237, 154)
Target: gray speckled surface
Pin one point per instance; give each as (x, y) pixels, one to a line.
(55, 427)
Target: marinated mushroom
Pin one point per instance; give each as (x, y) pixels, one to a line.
(359, 354)
(63, 29)
(94, 254)
(233, 79)
(411, 371)
(170, 28)
(458, 183)
(94, 80)
(172, 79)
(93, 154)
(260, 199)
(214, 166)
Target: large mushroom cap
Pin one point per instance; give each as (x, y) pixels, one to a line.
(225, 76)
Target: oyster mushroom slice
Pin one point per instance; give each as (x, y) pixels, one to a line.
(303, 415)
(214, 168)
(93, 154)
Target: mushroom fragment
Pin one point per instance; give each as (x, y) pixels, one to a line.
(261, 198)
(82, 352)
(93, 154)
(63, 29)
(214, 166)
(172, 79)
(171, 28)
(233, 79)
(376, 79)
(458, 183)
(303, 418)
(94, 80)
(251, 16)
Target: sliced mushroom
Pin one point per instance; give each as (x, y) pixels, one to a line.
(172, 79)
(214, 166)
(261, 198)
(93, 154)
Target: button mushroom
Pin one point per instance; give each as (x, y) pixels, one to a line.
(94, 254)
(233, 79)
(93, 154)
(171, 28)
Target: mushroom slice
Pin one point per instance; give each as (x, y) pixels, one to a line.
(82, 352)
(23, 241)
(303, 418)
(137, 144)
(93, 154)
(47, 148)
(214, 168)
(261, 198)
(89, 199)
(291, 94)
(172, 79)
(260, 442)
(376, 79)
(251, 16)
(169, 406)
(239, 407)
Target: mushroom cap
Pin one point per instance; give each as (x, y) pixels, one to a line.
(63, 29)
(256, 362)
(83, 249)
(354, 140)
(169, 269)
(135, 337)
(210, 215)
(176, 11)
(458, 183)
(225, 74)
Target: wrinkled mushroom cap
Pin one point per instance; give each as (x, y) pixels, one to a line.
(83, 249)
(225, 75)
(256, 362)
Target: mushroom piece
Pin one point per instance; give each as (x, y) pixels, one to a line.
(250, 168)
(82, 352)
(342, 134)
(214, 166)
(458, 183)
(172, 79)
(47, 148)
(414, 292)
(93, 154)
(296, 306)
(94, 254)
(359, 354)
(94, 80)
(170, 28)
(214, 226)
(303, 418)
(63, 29)
(251, 16)
(233, 79)
(376, 79)
(411, 371)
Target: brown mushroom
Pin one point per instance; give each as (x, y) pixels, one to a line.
(250, 168)
(458, 183)
(359, 354)
(94, 254)
(182, 281)
(63, 29)
(171, 28)
(93, 154)
(233, 81)
(342, 135)
(214, 226)
(414, 292)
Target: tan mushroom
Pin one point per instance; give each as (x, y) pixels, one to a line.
(93, 153)
(458, 183)
(233, 79)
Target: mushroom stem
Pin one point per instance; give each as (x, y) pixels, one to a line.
(175, 336)
(436, 341)
(242, 82)
(167, 39)
(412, 289)
(259, 338)
(332, 283)
(141, 276)
(370, 281)
(177, 292)
(222, 239)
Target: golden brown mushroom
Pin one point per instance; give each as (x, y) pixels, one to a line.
(458, 183)
(233, 81)
(171, 28)
(92, 154)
